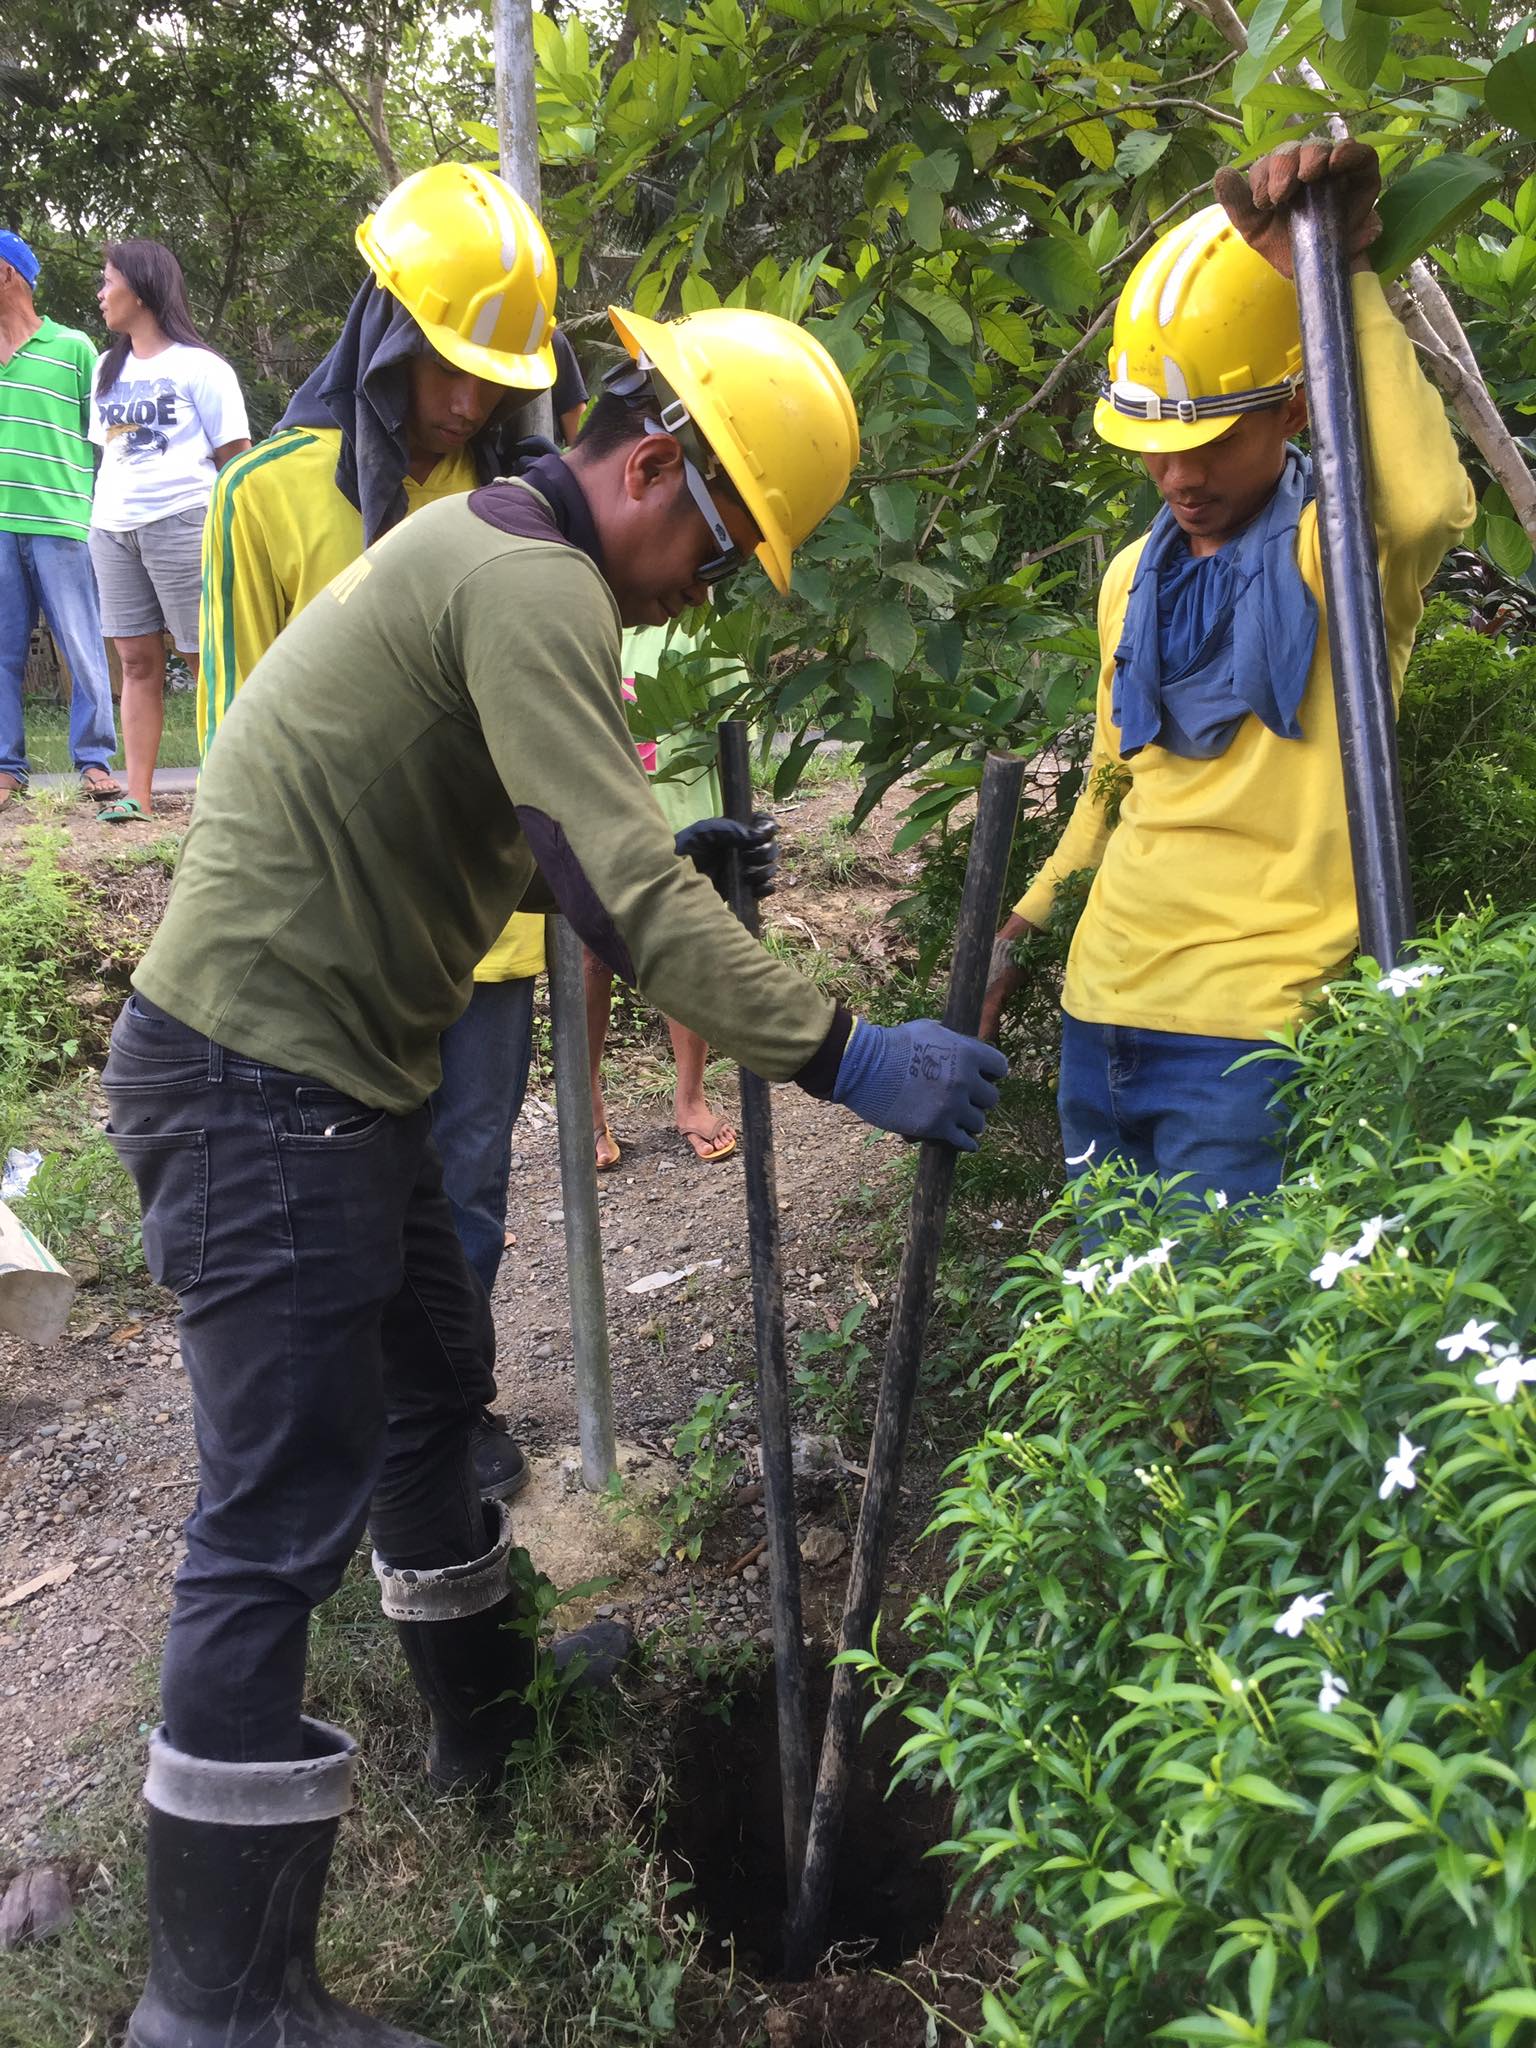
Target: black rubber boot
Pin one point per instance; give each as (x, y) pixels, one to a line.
(501, 1470)
(238, 1855)
(468, 1636)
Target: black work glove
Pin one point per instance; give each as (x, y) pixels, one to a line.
(712, 842)
(1258, 202)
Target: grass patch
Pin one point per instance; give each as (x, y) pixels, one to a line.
(548, 1919)
(80, 1202)
(48, 734)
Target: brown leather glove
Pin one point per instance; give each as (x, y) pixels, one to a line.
(1258, 202)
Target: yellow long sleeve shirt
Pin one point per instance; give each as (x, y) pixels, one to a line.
(1225, 895)
(278, 530)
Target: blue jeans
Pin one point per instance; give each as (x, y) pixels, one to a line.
(38, 569)
(1166, 1103)
(485, 1076)
(338, 1347)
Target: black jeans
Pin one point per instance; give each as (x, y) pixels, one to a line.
(338, 1348)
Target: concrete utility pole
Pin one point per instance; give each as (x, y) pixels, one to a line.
(517, 123)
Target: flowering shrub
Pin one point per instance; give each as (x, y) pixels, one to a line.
(1232, 1679)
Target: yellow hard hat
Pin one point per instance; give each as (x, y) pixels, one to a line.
(1205, 331)
(771, 405)
(469, 261)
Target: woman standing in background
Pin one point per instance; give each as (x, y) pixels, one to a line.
(167, 414)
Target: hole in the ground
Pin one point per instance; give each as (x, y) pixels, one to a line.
(724, 1821)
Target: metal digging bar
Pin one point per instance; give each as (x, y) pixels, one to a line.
(578, 1199)
(985, 874)
(773, 1424)
(1357, 635)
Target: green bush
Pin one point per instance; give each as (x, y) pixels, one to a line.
(1467, 740)
(80, 1202)
(39, 909)
(1232, 1676)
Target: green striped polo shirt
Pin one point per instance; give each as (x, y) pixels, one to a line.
(47, 465)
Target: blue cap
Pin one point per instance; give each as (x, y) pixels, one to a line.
(13, 250)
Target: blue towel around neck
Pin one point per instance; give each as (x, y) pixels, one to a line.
(1207, 639)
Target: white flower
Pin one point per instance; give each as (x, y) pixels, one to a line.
(1304, 1608)
(1508, 1373)
(1219, 1198)
(1086, 1277)
(1082, 1158)
(1402, 979)
(1333, 1690)
(1330, 1266)
(1472, 1336)
(1133, 1264)
(997, 1222)
(1398, 1471)
(1371, 1233)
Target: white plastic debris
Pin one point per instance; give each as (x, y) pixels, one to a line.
(19, 1169)
(653, 1281)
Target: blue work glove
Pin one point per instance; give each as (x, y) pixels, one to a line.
(921, 1080)
(711, 843)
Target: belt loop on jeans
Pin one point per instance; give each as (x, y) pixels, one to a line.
(215, 1061)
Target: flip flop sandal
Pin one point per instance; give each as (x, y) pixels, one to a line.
(108, 792)
(126, 811)
(607, 1165)
(709, 1157)
(11, 786)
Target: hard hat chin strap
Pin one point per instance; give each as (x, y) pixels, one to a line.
(1137, 404)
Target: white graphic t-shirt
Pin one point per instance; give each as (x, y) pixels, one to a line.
(157, 428)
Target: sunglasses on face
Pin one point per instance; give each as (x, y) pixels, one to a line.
(718, 568)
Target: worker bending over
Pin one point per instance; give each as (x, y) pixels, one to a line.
(420, 398)
(443, 720)
(1225, 895)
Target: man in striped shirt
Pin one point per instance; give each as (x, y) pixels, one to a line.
(47, 472)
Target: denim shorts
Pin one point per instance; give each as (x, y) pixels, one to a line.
(150, 578)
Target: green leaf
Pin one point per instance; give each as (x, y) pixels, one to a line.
(1374, 1835)
(1056, 271)
(890, 635)
(1509, 91)
(895, 509)
(1139, 151)
(925, 217)
(1421, 207)
(1516, 2004)
(874, 681)
(937, 172)
(1508, 543)
(1249, 1785)
(1095, 142)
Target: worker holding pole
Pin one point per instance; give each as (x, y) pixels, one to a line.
(440, 726)
(1225, 895)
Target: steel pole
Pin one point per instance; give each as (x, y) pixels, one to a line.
(985, 873)
(578, 1201)
(517, 129)
(773, 1415)
(1357, 634)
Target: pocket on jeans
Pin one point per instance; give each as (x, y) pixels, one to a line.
(329, 1121)
(170, 1171)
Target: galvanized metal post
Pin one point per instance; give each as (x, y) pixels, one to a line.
(985, 873)
(578, 1200)
(773, 1416)
(517, 129)
(1357, 634)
